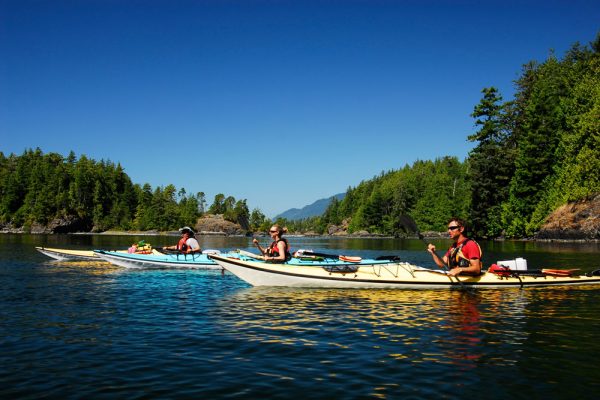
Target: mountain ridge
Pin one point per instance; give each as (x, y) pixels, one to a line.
(312, 210)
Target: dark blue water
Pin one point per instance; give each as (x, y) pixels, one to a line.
(89, 330)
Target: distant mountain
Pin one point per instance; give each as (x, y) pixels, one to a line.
(312, 210)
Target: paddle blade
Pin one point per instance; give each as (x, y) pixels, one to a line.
(559, 272)
(350, 259)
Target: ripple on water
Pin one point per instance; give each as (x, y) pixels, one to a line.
(89, 331)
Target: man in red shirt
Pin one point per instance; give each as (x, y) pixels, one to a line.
(464, 256)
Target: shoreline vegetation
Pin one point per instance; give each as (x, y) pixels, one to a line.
(532, 174)
(424, 235)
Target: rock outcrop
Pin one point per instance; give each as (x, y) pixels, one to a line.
(217, 225)
(67, 224)
(579, 220)
(339, 230)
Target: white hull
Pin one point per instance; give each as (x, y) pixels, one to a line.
(68, 255)
(157, 261)
(392, 275)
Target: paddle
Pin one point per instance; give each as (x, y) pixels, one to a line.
(409, 222)
(560, 272)
(340, 257)
(250, 254)
(445, 267)
(324, 255)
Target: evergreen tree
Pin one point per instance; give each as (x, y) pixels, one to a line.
(491, 163)
(218, 205)
(257, 219)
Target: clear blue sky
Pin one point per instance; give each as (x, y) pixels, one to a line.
(277, 102)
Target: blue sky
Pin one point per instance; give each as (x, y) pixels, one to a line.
(277, 102)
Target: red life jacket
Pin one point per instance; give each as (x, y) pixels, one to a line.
(273, 250)
(182, 245)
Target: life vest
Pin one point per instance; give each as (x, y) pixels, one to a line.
(182, 245)
(273, 250)
(456, 258)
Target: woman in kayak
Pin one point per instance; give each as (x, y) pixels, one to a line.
(279, 250)
(464, 256)
(187, 243)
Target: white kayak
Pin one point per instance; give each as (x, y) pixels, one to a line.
(370, 274)
(67, 254)
(74, 255)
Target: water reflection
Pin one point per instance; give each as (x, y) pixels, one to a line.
(201, 334)
(85, 267)
(412, 326)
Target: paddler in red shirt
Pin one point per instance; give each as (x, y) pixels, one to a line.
(464, 256)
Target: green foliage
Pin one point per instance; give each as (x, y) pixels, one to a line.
(557, 135)
(257, 220)
(491, 163)
(443, 192)
(540, 150)
(241, 214)
(38, 188)
(532, 154)
(232, 210)
(430, 191)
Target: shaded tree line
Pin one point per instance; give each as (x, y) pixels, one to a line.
(540, 150)
(37, 188)
(429, 191)
(532, 154)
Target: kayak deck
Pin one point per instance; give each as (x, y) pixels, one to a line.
(74, 255)
(158, 261)
(385, 275)
(67, 254)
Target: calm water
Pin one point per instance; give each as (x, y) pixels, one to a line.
(88, 330)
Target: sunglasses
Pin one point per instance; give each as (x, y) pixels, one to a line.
(451, 228)
(272, 231)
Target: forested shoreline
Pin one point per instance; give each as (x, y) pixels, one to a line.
(72, 194)
(532, 154)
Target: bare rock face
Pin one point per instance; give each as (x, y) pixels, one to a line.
(217, 225)
(339, 230)
(66, 224)
(577, 220)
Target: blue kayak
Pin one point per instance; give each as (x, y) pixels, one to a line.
(158, 261)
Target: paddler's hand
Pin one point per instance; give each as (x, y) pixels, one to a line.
(255, 241)
(455, 271)
(431, 248)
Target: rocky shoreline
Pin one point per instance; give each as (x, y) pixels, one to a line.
(436, 235)
(574, 222)
(428, 235)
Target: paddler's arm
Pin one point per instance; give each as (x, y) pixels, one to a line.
(474, 268)
(255, 241)
(441, 262)
(193, 246)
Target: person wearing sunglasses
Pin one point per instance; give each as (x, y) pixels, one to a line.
(464, 256)
(279, 250)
